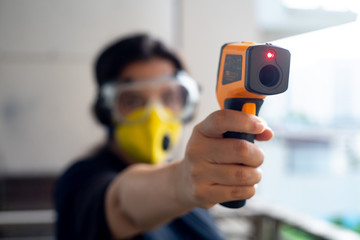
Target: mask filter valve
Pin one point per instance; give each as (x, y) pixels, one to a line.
(166, 142)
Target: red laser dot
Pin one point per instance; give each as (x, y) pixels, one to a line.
(270, 54)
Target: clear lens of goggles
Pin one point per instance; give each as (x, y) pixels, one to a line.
(131, 102)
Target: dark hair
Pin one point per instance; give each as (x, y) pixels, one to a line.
(114, 59)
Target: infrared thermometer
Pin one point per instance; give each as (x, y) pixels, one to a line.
(247, 73)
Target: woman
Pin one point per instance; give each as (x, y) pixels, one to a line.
(125, 190)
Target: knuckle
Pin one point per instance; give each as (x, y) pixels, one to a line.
(242, 148)
(248, 176)
(196, 134)
(250, 124)
(258, 177)
(194, 152)
(219, 119)
(249, 192)
(253, 125)
(241, 175)
(236, 193)
(196, 129)
(191, 152)
(242, 192)
(195, 174)
(199, 195)
(260, 157)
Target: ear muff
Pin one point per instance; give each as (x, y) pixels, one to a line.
(195, 106)
(192, 95)
(101, 111)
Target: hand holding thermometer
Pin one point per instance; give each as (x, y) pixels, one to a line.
(247, 73)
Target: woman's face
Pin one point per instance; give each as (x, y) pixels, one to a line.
(145, 85)
(141, 133)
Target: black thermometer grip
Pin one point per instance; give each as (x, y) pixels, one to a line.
(237, 104)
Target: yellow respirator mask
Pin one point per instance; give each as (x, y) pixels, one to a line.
(148, 114)
(151, 139)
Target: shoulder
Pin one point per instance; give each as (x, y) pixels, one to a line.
(99, 166)
(101, 161)
(79, 195)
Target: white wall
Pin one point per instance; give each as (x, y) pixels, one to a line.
(46, 87)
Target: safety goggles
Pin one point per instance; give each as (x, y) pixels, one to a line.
(174, 97)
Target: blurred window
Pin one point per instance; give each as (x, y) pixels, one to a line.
(327, 5)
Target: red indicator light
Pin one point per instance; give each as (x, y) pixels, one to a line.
(270, 55)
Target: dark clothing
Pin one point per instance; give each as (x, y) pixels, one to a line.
(79, 202)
